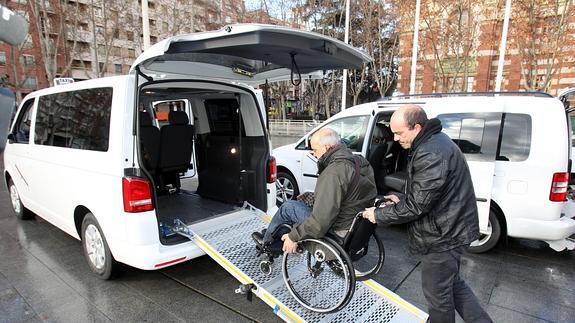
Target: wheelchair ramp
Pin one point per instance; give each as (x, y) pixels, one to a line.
(227, 239)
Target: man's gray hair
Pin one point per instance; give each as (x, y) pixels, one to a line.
(327, 136)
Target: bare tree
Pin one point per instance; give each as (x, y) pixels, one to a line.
(450, 31)
(539, 31)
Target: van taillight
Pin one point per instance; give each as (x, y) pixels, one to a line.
(272, 170)
(559, 187)
(137, 195)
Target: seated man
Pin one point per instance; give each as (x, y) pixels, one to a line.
(345, 187)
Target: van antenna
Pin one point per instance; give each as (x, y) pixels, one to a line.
(294, 64)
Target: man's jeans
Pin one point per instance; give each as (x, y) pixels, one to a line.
(446, 292)
(291, 212)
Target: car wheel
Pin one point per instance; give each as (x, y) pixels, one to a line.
(487, 240)
(96, 249)
(20, 211)
(286, 188)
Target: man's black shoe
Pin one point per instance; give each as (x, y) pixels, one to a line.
(259, 237)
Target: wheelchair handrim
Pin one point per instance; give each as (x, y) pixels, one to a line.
(347, 277)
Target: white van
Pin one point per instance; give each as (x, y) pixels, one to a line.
(90, 157)
(517, 147)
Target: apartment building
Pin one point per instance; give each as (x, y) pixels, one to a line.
(459, 46)
(84, 39)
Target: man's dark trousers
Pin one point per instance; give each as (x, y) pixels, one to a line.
(446, 292)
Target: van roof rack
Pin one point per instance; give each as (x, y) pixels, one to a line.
(455, 94)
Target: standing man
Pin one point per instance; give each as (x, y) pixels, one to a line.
(439, 205)
(345, 186)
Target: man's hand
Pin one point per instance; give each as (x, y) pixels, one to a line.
(369, 214)
(390, 199)
(289, 246)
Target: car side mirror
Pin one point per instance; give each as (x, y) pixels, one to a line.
(11, 138)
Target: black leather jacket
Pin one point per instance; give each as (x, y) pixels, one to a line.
(439, 202)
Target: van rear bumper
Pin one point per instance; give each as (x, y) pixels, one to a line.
(558, 229)
(157, 256)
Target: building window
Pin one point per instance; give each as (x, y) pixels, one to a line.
(153, 39)
(98, 12)
(2, 58)
(28, 60)
(130, 35)
(165, 26)
(102, 67)
(131, 53)
(30, 83)
(118, 68)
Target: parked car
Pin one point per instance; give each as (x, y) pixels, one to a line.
(517, 147)
(90, 158)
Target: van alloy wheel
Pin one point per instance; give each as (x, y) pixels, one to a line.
(15, 198)
(20, 210)
(483, 237)
(95, 247)
(286, 188)
(490, 238)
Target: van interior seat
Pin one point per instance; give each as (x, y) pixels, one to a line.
(382, 154)
(176, 146)
(149, 141)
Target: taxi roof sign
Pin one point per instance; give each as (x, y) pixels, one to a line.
(63, 80)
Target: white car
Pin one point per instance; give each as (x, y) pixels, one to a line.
(90, 157)
(517, 147)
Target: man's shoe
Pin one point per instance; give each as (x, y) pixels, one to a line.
(259, 237)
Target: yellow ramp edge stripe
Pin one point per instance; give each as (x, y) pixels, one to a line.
(395, 298)
(223, 261)
(281, 309)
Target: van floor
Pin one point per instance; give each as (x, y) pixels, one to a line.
(188, 206)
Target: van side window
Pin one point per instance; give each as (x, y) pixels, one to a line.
(515, 137)
(22, 128)
(476, 134)
(351, 130)
(76, 119)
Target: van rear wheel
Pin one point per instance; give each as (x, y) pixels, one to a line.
(96, 249)
(286, 188)
(489, 239)
(20, 211)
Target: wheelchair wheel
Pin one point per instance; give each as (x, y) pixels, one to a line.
(320, 275)
(370, 264)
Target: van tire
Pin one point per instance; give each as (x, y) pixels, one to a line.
(487, 242)
(96, 249)
(286, 188)
(19, 209)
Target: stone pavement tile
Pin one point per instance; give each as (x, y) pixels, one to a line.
(206, 276)
(566, 314)
(532, 298)
(156, 287)
(45, 294)
(13, 308)
(77, 310)
(500, 314)
(133, 308)
(201, 309)
(4, 283)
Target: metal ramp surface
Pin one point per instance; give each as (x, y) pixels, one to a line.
(227, 239)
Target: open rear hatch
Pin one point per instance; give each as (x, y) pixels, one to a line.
(248, 53)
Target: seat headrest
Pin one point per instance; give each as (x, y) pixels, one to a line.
(145, 119)
(178, 117)
(385, 131)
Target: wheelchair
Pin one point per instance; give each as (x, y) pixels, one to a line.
(322, 273)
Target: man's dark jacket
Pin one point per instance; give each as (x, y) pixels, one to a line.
(439, 202)
(336, 201)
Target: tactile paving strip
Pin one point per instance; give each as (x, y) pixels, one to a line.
(230, 236)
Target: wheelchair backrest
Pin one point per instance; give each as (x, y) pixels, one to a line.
(357, 240)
